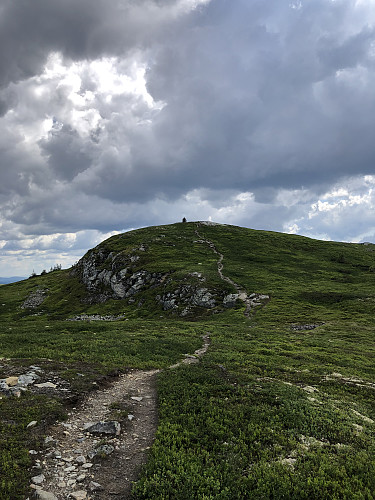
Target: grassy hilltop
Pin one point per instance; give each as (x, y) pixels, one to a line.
(281, 406)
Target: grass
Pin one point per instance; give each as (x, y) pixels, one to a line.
(271, 411)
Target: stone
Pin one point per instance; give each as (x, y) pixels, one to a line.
(203, 298)
(35, 368)
(136, 398)
(87, 425)
(46, 385)
(93, 486)
(38, 479)
(310, 389)
(11, 381)
(87, 465)
(71, 468)
(110, 427)
(31, 424)
(35, 487)
(230, 300)
(4, 387)
(15, 392)
(104, 449)
(81, 478)
(45, 495)
(35, 299)
(49, 441)
(78, 495)
(363, 417)
(27, 379)
(80, 460)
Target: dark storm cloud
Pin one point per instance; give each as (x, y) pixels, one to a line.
(258, 97)
(254, 91)
(65, 154)
(81, 29)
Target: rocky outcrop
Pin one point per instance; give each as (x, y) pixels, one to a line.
(187, 295)
(35, 299)
(123, 275)
(107, 275)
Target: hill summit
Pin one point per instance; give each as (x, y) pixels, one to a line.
(194, 270)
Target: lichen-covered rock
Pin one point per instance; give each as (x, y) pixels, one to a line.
(107, 275)
(110, 275)
(230, 300)
(203, 298)
(35, 299)
(187, 296)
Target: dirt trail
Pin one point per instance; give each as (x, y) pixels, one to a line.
(251, 301)
(70, 471)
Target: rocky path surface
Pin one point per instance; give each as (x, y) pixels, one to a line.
(95, 455)
(251, 301)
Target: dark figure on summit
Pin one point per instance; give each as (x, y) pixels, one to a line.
(184, 219)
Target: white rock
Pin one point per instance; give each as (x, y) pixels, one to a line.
(47, 385)
(45, 495)
(93, 486)
(87, 466)
(78, 495)
(70, 469)
(38, 479)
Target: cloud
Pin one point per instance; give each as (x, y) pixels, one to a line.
(125, 114)
(80, 30)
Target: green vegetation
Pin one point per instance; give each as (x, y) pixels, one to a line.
(281, 406)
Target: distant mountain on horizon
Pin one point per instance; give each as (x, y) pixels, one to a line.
(11, 279)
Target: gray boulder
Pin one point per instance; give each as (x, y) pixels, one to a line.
(111, 427)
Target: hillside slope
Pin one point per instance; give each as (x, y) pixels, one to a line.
(282, 405)
(174, 270)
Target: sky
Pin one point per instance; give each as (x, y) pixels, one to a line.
(122, 114)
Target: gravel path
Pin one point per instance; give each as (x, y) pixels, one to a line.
(68, 469)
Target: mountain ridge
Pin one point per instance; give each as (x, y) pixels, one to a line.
(11, 279)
